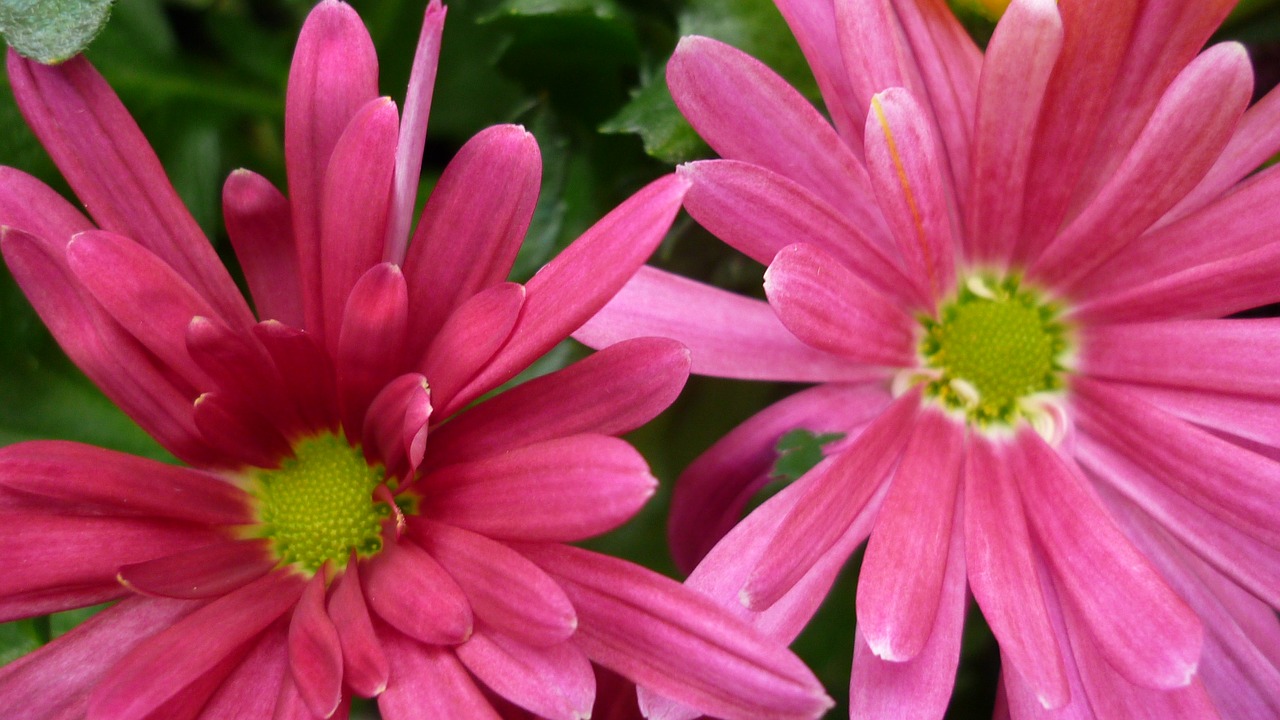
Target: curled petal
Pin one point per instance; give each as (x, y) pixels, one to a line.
(395, 428)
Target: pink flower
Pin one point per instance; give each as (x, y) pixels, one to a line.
(1003, 271)
(350, 523)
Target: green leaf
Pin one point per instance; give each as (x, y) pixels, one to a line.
(51, 31)
(653, 115)
(799, 451)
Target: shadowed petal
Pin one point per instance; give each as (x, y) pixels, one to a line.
(428, 682)
(554, 682)
(306, 372)
(239, 366)
(408, 589)
(251, 689)
(205, 572)
(261, 230)
(315, 656)
(395, 427)
(364, 662)
(371, 343)
(467, 340)
(238, 432)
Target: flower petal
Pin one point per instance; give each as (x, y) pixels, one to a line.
(408, 589)
(206, 572)
(371, 343)
(251, 689)
(239, 366)
(31, 206)
(238, 432)
(315, 655)
(467, 340)
(260, 226)
(395, 427)
(554, 682)
(365, 668)
(814, 25)
(428, 682)
(306, 373)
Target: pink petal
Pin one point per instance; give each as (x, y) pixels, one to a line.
(830, 308)
(160, 668)
(584, 276)
(560, 490)
(729, 336)
(370, 345)
(364, 662)
(712, 492)
(306, 373)
(334, 73)
(116, 174)
(906, 173)
(261, 230)
(848, 482)
(467, 340)
(733, 101)
(875, 50)
(357, 189)
(251, 689)
(472, 226)
(813, 24)
(395, 427)
(315, 656)
(1142, 628)
(408, 589)
(206, 572)
(906, 558)
(240, 435)
(554, 682)
(1255, 418)
(1003, 576)
(428, 682)
(1015, 75)
(610, 392)
(506, 592)
(238, 365)
(67, 477)
(29, 205)
(678, 642)
(413, 133)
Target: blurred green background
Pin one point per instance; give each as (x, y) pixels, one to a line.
(206, 78)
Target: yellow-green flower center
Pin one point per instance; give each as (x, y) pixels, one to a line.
(992, 348)
(318, 505)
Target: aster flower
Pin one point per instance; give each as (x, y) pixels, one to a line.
(351, 521)
(1003, 270)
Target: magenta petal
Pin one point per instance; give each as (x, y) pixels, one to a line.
(813, 24)
(467, 340)
(261, 230)
(408, 589)
(413, 132)
(315, 655)
(371, 341)
(832, 309)
(678, 642)
(395, 427)
(239, 366)
(334, 73)
(29, 205)
(584, 276)
(206, 572)
(73, 478)
(306, 373)
(238, 432)
(610, 392)
(554, 682)
(428, 682)
(472, 226)
(116, 174)
(251, 689)
(507, 592)
(364, 662)
(160, 668)
(1142, 628)
(906, 558)
(559, 490)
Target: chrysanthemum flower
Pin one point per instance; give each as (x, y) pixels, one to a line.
(352, 522)
(1003, 270)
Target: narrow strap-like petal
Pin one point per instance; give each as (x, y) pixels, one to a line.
(364, 661)
(467, 340)
(554, 682)
(507, 592)
(206, 572)
(875, 51)
(315, 655)
(251, 689)
(813, 24)
(260, 226)
(409, 590)
(561, 490)
(428, 681)
(395, 427)
(33, 207)
(371, 342)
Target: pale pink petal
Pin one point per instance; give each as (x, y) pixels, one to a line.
(1142, 628)
(395, 427)
(79, 479)
(875, 50)
(813, 24)
(162, 666)
(1025, 702)
(413, 132)
(409, 590)
(467, 340)
(334, 73)
(472, 226)
(729, 336)
(260, 225)
(306, 373)
(554, 682)
(364, 662)
(678, 642)
(906, 558)
(251, 689)
(206, 572)
(711, 493)
(1003, 577)
(506, 592)
(428, 682)
(1015, 75)
(357, 189)
(1187, 133)
(849, 480)
(375, 320)
(1255, 418)
(830, 308)
(609, 392)
(55, 681)
(734, 101)
(29, 205)
(238, 432)
(315, 655)
(561, 490)
(115, 173)
(905, 171)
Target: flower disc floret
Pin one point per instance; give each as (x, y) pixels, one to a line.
(318, 506)
(993, 348)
